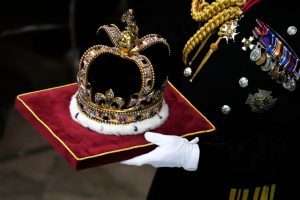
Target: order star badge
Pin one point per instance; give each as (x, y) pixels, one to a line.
(261, 101)
(248, 43)
(229, 31)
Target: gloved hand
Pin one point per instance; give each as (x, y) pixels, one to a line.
(172, 151)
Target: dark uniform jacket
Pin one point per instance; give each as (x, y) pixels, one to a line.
(251, 155)
(254, 155)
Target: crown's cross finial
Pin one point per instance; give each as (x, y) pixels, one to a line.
(129, 37)
(128, 18)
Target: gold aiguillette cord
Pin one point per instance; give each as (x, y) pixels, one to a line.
(200, 49)
(213, 48)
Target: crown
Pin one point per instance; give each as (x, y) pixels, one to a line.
(106, 106)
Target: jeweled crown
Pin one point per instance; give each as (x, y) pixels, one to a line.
(106, 106)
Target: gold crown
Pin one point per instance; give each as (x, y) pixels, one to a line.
(106, 107)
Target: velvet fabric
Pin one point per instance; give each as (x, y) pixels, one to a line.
(48, 112)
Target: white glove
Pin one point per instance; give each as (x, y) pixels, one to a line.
(172, 151)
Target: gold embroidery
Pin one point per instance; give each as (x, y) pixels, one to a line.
(272, 193)
(256, 193)
(265, 193)
(232, 194)
(239, 194)
(245, 194)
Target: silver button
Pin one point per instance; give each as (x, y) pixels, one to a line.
(187, 72)
(292, 30)
(243, 82)
(226, 109)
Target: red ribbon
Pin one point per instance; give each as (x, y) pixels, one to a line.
(249, 4)
(263, 29)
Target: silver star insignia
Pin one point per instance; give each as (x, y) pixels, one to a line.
(261, 101)
(248, 43)
(229, 32)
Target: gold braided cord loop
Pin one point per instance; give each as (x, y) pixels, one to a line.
(203, 11)
(215, 22)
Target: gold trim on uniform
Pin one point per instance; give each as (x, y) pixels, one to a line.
(266, 192)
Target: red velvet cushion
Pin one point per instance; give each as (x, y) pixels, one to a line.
(48, 111)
